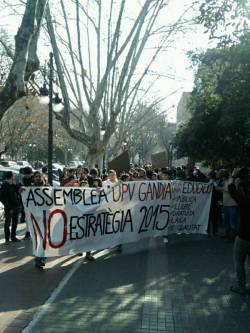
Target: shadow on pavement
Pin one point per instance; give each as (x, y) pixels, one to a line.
(190, 281)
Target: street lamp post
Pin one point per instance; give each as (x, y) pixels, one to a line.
(103, 156)
(50, 127)
(45, 93)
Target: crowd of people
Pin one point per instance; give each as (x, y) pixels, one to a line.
(229, 210)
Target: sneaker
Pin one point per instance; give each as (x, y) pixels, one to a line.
(27, 235)
(39, 265)
(119, 249)
(15, 240)
(89, 257)
(42, 263)
(7, 242)
(239, 290)
(39, 262)
(165, 239)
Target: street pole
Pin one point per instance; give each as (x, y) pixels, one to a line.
(103, 161)
(50, 125)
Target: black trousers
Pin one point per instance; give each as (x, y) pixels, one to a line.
(11, 219)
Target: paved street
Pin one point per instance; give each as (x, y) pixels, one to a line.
(179, 287)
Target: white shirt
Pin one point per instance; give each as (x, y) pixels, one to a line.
(109, 183)
(227, 199)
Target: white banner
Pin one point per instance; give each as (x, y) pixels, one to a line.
(69, 220)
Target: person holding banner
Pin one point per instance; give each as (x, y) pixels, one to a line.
(71, 179)
(110, 182)
(84, 183)
(112, 178)
(26, 181)
(39, 180)
(154, 176)
(97, 182)
(142, 174)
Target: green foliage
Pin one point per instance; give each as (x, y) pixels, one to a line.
(224, 19)
(219, 130)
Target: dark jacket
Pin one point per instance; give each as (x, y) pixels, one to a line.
(242, 196)
(9, 196)
(243, 192)
(27, 181)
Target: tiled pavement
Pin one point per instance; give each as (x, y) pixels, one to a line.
(180, 287)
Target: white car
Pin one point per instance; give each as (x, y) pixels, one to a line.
(8, 164)
(58, 166)
(24, 164)
(74, 164)
(3, 171)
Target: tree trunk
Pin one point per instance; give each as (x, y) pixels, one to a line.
(25, 61)
(93, 156)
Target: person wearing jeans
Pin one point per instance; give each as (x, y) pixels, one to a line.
(231, 220)
(242, 241)
(241, 251)
(230, 206)
(11, 219)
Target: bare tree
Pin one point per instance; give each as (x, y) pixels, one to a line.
(97, 60)
(99, 78)
(13, 130)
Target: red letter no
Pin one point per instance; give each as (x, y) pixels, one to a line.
(52, 244)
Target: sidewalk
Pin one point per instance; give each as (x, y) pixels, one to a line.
(179, 287)
(23, 289)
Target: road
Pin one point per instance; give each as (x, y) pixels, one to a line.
(178, 287)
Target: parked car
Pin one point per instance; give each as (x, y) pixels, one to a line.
(3, 171)
(8, 164)
(24, 164)
(74, 164)
(58, 166)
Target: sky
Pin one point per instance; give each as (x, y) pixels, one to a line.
(178, 74)
(173, 65)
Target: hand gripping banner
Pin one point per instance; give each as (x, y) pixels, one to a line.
(69, 220)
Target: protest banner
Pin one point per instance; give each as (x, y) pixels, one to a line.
(68, 220)
(159, 160)
(120, 163)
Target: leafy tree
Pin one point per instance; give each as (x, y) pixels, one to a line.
(219, 130)
(225, 20)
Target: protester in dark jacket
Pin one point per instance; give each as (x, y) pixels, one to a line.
(26, 181)
(9, 196)
(242, 241)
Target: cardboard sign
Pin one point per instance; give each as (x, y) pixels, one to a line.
(159, 160)
(120, 163)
